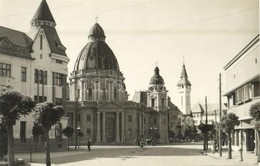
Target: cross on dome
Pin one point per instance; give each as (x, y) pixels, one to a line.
(96, 18)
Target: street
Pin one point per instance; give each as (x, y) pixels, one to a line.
(177, 155)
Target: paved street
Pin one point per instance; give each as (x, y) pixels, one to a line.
(177, 155)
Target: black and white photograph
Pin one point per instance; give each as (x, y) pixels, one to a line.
(129, 82)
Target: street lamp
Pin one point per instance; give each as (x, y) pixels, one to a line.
(78, 132)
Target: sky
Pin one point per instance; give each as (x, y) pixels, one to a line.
(203, 34)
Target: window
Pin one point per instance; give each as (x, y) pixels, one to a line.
(89, 118)
(144, 120)
(5, 70)
(88, 131)
(59, 79)
(40, 42)
(129, 118)
(41, 99)
(58, 101)
(23, 131)
(162, 102)
(36, 76)
(89, 92)
(40, 76)
(23, 74)
(45, 77)
(153, 102)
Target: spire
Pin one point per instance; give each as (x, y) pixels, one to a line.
(184, 72)
(43, 16)
(184, 77)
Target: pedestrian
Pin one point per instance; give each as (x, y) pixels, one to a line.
(89, 143)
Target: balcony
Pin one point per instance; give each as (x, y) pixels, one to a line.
(242, 110)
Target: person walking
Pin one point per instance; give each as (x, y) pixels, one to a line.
(89, 144)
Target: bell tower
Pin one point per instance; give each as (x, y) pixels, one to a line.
(184, 86)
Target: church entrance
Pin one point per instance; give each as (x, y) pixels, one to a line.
(111, 127)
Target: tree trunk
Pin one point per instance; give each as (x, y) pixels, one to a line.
(258, 150)
(47, 147)
(68, 143)
(229, 146)
(10, 145)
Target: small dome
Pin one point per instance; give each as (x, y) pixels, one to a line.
(96, 54)
(97, 33)
(156, 78)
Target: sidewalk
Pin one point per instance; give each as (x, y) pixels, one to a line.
(249, 158)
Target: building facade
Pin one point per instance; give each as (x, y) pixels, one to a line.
(99, 104)
(243, 90)
(36, 65)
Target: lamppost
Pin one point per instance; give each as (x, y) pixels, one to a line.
(78, 133)
(76, 123)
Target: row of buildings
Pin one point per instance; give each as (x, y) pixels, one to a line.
(96, 99)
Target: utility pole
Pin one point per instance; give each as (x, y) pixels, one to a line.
(220, 112)
(206, 135)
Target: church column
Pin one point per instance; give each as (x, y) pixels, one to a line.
(104, 127)
(98, 127)
(83, 91)
(117, 127)
(123, 128)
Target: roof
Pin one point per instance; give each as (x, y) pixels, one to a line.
(16, 37)
(53, 40)
(242, 52)
(97, 32)
(16, 43)
(96, 54)
(43, 13)
(174, 108)
(157, 78)
(184, 77)
(211, 107)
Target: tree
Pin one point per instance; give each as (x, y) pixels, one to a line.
(13, 105)
(47, 114)
(205, 128)
(255, 113)
(228, 124)
(68, 132)
(37, 131)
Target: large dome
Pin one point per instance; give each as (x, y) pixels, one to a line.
(156, 78)
(96, 54)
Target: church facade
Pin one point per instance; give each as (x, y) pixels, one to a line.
(99, 105)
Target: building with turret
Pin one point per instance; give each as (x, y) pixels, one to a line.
(36, 65)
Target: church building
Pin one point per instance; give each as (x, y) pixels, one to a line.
(99, 105)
